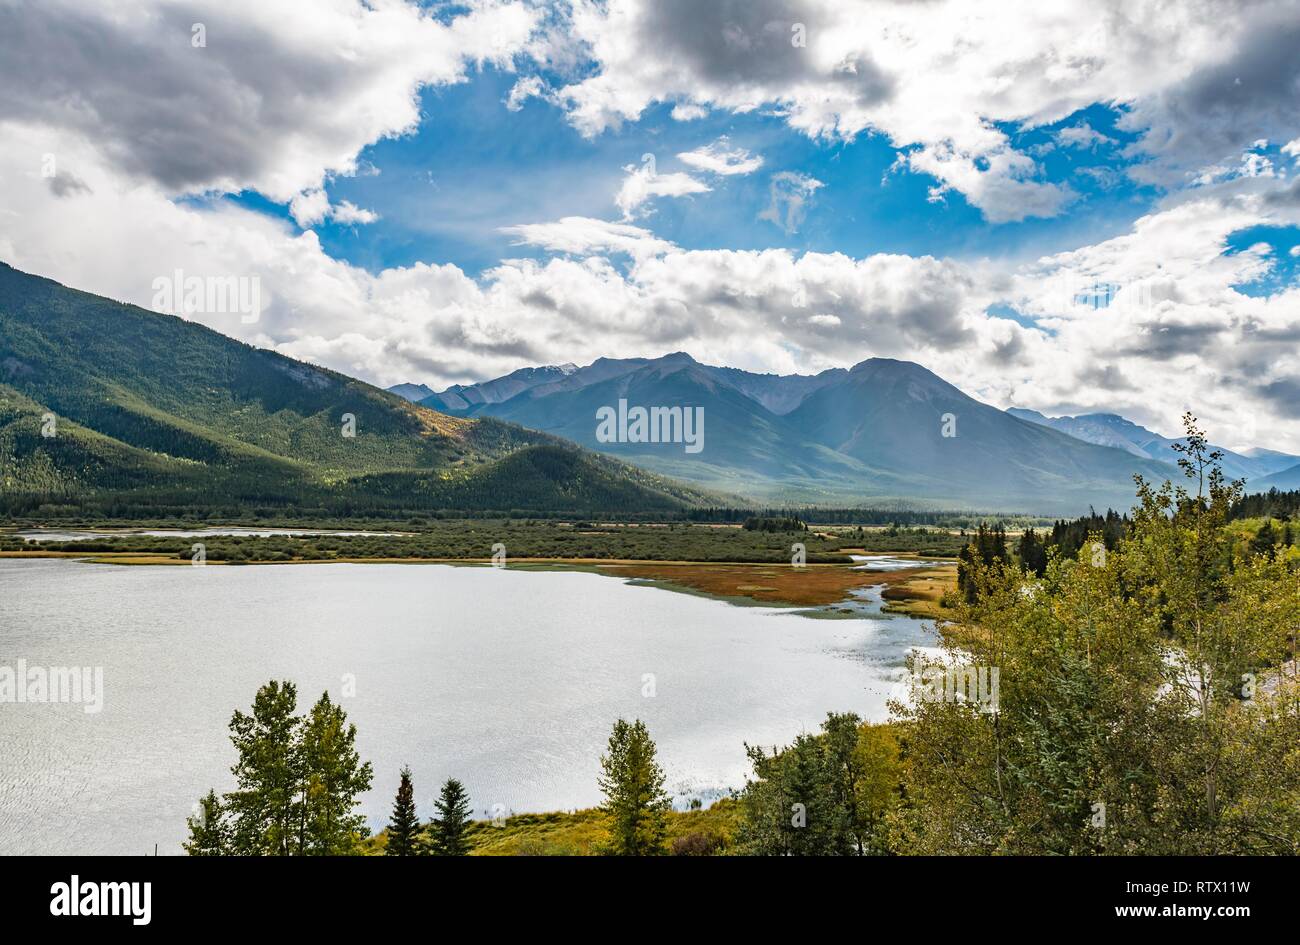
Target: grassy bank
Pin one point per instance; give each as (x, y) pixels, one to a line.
(710, 831)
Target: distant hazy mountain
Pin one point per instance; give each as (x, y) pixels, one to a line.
(412, 392)
(875, 432)
(1284, 481)
(465, 399)
(1108, 429)
(1271, 460)
(111, 407)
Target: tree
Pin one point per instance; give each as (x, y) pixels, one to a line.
(826, 794)
(297, 783)
(633, 785)
(447, 830)
(404, 828)
(207, 829)
(266, 809)
(1265, 541)
(1032, 553)
(1145, 696)
(334, 777)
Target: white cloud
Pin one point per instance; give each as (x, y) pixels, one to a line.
(1199, 82)
(643, 183)
(1176, 333)
(525, 88)
(721, 158)
(1081, 135)
(684, 111)
(310, 207)
(313, 206)
(276, 100)
(585, 236)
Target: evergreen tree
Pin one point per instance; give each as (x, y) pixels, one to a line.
(207, 829)
(1032, 553)
(447, 830)
(633, 784)
(824, 795)
(1265, 541)
(266, 809)
(404, 828)
(334, 777)
(297, 783)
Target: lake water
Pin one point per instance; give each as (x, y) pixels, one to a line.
(508, 680)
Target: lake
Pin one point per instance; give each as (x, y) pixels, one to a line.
(506, 679)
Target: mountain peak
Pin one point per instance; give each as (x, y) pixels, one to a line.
(676, 357)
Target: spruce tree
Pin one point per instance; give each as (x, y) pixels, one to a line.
(633, 784)
(447, 830)
(404, 828)
(334, 777)
(1264, 541)
(297, 780)
(266, 809)
(207, 829)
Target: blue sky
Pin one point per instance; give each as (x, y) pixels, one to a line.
(969, 175)
(473, 167)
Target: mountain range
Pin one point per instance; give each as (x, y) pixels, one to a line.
(110, 408)
(882, 431)
(1108, 429)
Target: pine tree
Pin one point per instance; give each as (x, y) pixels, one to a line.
(405, 826)
(1032, 553)
(266, 810)
(1264, 541)
(297, 783)
(447, 830)
(633, 784)
(207, 829)
(334, 777)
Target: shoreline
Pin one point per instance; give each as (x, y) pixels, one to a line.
(911, 591)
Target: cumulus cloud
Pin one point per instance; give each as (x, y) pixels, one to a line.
(943, 80)
(1156, 304)
(313, 206)
(275, 98)
(1149, 322)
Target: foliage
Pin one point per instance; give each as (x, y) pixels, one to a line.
(298, 780)
(446, 834)
(1141, 692)
(404, 827)
(633, 785)
(827, 794)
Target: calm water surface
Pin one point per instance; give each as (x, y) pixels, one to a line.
(508, 680)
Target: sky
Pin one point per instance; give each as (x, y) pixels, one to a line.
(1070, 207)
